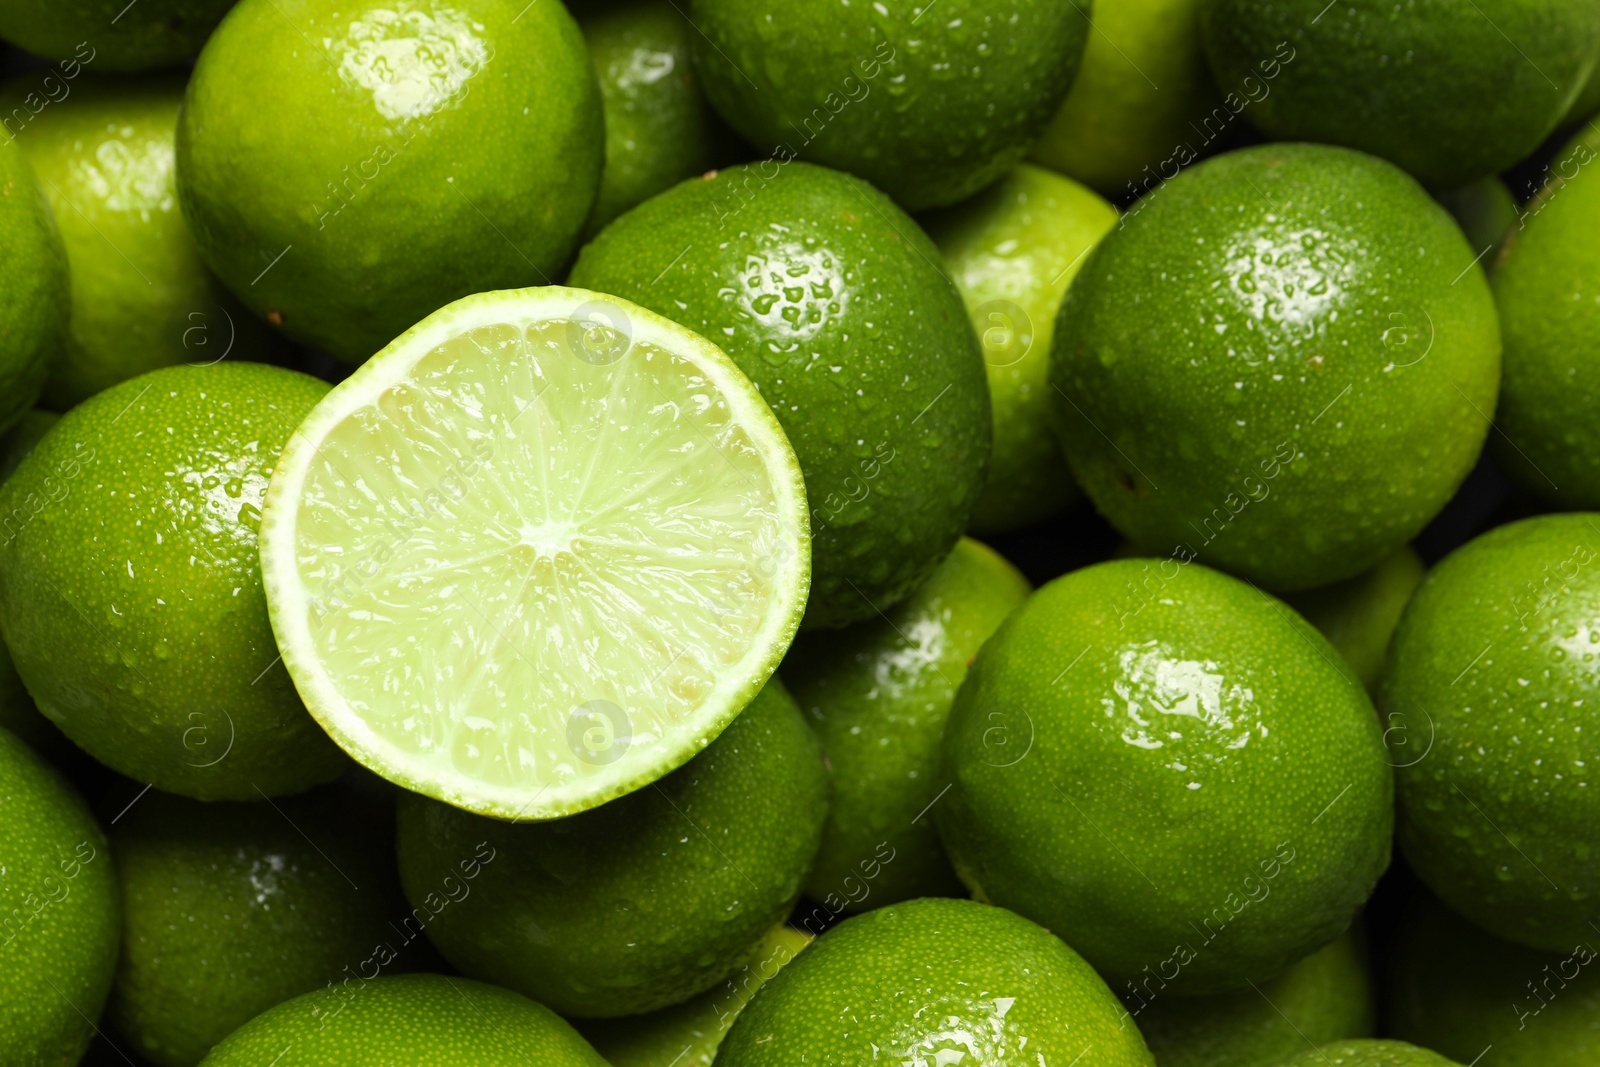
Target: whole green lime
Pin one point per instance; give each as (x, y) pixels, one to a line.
(1456, 989)
(642, 902)
(688, 1034)
(412, 1018)
(1358, 615)
(130, 585)
(930, 110)
(1284, 363)
(141, 298)
(1192, 788)
(408, 158)
(1450, 92)
(1325, 997)
(1547, 287)
(1126, 124)
(877, 694)
(34, 297)
(230, 909)
(659, 127)
(58, 913)
(112, 35)
(1485, 211)
(1013, 250)
(1495, 662)
(833, 302)
(934, 982)
(1368, 1053)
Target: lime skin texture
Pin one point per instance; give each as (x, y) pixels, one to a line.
(1547, 287)
(877, 694)
(1358, 615)
(642, 902)
(934, 981)
(141, 297)
(1495, 663)
(1325, 997)
(412, 159)
(688, 1034)
(130, 585)
(1368, 1053)
(1013, 250)
(1284, 363)
(1204, 798)
(1143, 80)
(34, 297)
(928, 110)
(408, 1018)
(110, 35)
(59, 913)
(1456, 989)
(832, 301)
(1449, 92)
(17, 711)
(232, 908)
(659, 127)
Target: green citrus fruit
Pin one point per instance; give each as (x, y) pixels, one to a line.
(409, 158)
(659, 127)
(1450, 92)
(1368, 1053)
(111, 34)
(412, 1018)
(58, 913)
(130, 591)
(1325, 997)
(1125, 126)
(1547, 285)
(141, 298)
(688, 1034)
(34, 297)
(17, 711)
(1456, 989)
(1358, 615)
(878, 693)
(230, 909)
(1485, 211)
(934, 982)
(928, 110)
(536, 553)
(1153, 803)
(1013, 250)
(832, 300)
(642, 902)
(1495, 663)
(1284, 363)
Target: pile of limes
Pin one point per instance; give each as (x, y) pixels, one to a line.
(490, 510)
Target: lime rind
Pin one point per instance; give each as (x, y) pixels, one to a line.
(536, 553)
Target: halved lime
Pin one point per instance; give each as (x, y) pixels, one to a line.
(536, 553)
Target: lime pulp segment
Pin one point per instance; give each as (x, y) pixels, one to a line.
(536, 553)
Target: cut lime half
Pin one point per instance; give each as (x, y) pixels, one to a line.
(536, 553)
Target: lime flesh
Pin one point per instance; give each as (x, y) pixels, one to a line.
(536, 553)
